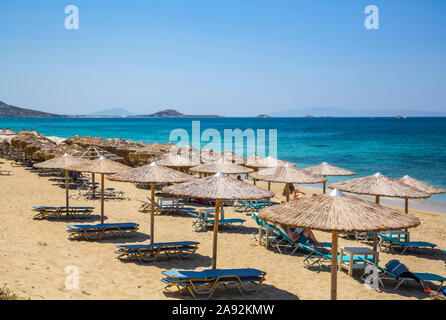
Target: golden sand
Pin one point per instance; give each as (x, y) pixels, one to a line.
(34, 254)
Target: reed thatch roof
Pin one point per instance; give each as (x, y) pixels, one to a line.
(94, 152)
(268, 162)
(101, 165)
(325, 169)
(178, 161)
(379, 185)
(287, 174)
(220, 187)
(8, 131)
(233, 157)
(420, 185)
(221, 166)
(151, 173)
(61, 162)
(338, 212)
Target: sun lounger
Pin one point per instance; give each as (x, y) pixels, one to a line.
(316, 257)
(250, 206)
(387, 242)
(203, 223)
(385, 274)
(283, 241)
(70, 212)
(206, 281)
(98, 231)
(5, 172)
(146, 206)
(151, 252)
(265, 230)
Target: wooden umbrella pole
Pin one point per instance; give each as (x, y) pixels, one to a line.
(334, 264)
(152, 216)
(287, 186)
(102, 198)
(214, 250)
(269, 185)
(375, 234)
(254, 181)
(66, 189)
(406, 207)
(324, 184)
(94, 187)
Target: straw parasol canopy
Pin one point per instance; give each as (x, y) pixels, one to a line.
(325, 169)
(94, 152)
(218, 187)
(151, 174)
(268, 162)
(102, 166)
(420, 185)
(62, 163)
(233, 157)
(178, 162)
(337, 212)
(380, 186)
(222, 166)
(8, 131)
(287, 174)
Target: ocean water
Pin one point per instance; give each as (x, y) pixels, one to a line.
(393, 147)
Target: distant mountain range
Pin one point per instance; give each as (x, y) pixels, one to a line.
(338, 112)
(7, 110)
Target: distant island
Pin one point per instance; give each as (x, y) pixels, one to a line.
(7, 110)
(263, 116)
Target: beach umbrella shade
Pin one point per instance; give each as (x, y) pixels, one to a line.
(103, 166)
(337, 212)
(325, 169)
(268, 162)
(379, 186)
(233, 157)
(151, 174)
(287, 174)
(62, 163)
(218, 187)
(420, 185)
(221, 166)
(178, 162)
(92, 153)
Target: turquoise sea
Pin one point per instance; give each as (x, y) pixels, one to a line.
(394, 147)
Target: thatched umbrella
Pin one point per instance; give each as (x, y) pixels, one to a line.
(92, 153)
(337, 212)
(152, 174)
(233, 157)
(218, 187)
(287, 174)
(221, 166)
(268, 162)
(379, 186)
(62, 163)
(8, 131)
(420, 185)
(325, 169)
(178, 162)
(102, 166)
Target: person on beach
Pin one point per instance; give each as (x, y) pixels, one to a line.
(302, 235)
(239, 177)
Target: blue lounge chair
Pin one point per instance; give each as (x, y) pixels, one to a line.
(52, 212)
(385, 274)
(202, 223)
(283, 241)
(317, 257)
(146, 206)
(206, 281)
(250, 206)
(387, 242)
(98, 231)
(151, 252)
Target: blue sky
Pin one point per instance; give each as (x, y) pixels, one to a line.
(231, 57)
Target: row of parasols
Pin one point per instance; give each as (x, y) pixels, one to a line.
(334, 212)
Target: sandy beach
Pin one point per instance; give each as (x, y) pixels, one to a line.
(34, 254)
